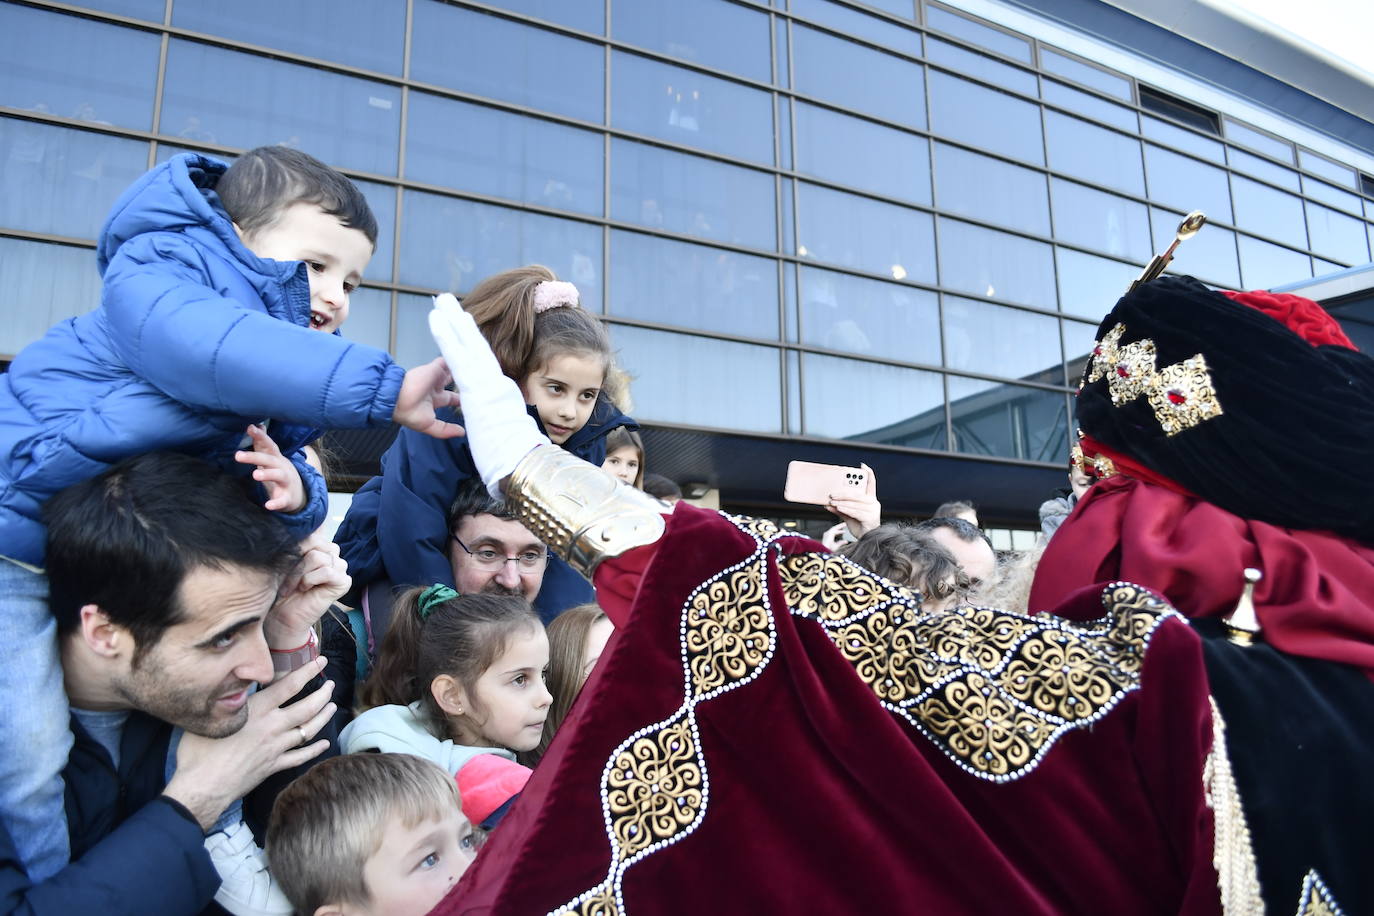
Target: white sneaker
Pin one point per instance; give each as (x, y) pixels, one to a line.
(246, 888)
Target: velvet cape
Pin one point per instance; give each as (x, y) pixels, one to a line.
(814, 794)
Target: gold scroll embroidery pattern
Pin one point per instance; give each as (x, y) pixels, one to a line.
(992, 689)
(655, 787)
(1181, 395)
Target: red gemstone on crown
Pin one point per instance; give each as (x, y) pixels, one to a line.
(1176, 397)
(1097, 351)
(1122, 371)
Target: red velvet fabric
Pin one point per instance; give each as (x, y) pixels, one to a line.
(1304, 317)
(1316, 598)
(821, 801)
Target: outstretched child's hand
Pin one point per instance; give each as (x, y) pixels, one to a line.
(423, 391)
(276, 473)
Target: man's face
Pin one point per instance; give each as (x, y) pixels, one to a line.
(508, 538)
(976, 557)
(198, 674)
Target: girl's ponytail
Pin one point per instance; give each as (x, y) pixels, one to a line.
(393, 680)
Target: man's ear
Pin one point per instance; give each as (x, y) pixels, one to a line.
(449, 695)
(103, 636)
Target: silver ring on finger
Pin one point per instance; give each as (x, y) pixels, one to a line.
(300, 730)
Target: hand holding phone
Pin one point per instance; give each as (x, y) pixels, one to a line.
(816, 484)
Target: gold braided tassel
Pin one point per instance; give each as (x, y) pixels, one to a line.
(582, 513)
(1232, 853)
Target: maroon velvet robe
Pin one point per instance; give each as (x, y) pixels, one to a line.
(748, 744)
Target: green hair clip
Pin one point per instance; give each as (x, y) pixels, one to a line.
(434, 595)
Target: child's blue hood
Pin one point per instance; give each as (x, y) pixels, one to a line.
(176, 195)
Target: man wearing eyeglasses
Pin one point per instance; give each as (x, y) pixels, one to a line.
(491, 552)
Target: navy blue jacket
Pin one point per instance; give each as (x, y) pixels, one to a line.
(195, 338)
(397, 527)
(133, 851)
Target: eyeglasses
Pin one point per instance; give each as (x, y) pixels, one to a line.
(528, 560)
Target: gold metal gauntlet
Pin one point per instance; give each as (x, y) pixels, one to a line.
(584, 514)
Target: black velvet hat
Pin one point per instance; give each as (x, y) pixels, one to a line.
(1256, 402)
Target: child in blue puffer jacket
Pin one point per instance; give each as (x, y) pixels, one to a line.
(216, 281)
(397, 531)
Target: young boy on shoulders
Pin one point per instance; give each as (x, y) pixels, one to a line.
(222, 287)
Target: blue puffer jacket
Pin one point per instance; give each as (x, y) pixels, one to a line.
(397, 527)
(195, 338)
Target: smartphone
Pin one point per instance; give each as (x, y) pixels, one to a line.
(808, 482)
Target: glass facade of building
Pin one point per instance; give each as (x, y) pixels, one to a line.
(887, 223)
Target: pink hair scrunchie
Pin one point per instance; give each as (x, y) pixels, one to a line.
(550, 294)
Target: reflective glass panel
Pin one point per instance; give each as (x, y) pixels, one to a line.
(794, 398)
(1008, 421)
(488, 151)
(1088, 285)
(1267, 211)
(1336, 236)
(1182, 140)
(784, 138)
(679, 378)
(996, 264)
(1321, 268)
(1091, 105)
(992, 190)
(1342, 175)
(63, 181)
(502, 59)
(671, 282)
(414, 343)
(587, 15)
(1258, 141)
(665, 189)
(862, 154)
(1086, 74)
(871, 402)
(77, 68)
(1079, 340)
(691, 108)
(1341, 200)
(1210, 255)
(1095, 153)
(862, 25)
(1263, 169)
(1186, 184)
(971, 63)
(985, 117)
(857, 77)
(1098, 220)
(325, 29)
(844, 312)
(382, 199)
(151, 10)
(865, 234)
(451, 244)
(976, 32)
(782, 64)
(714, 33)
(343, 120)
(44, 284)
(996, 340)
(1265, 266)
(369, 318)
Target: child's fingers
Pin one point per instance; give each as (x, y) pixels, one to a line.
(262, 459)
(261, 441)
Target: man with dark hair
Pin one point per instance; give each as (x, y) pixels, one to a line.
(175, 592)
(969, 545)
